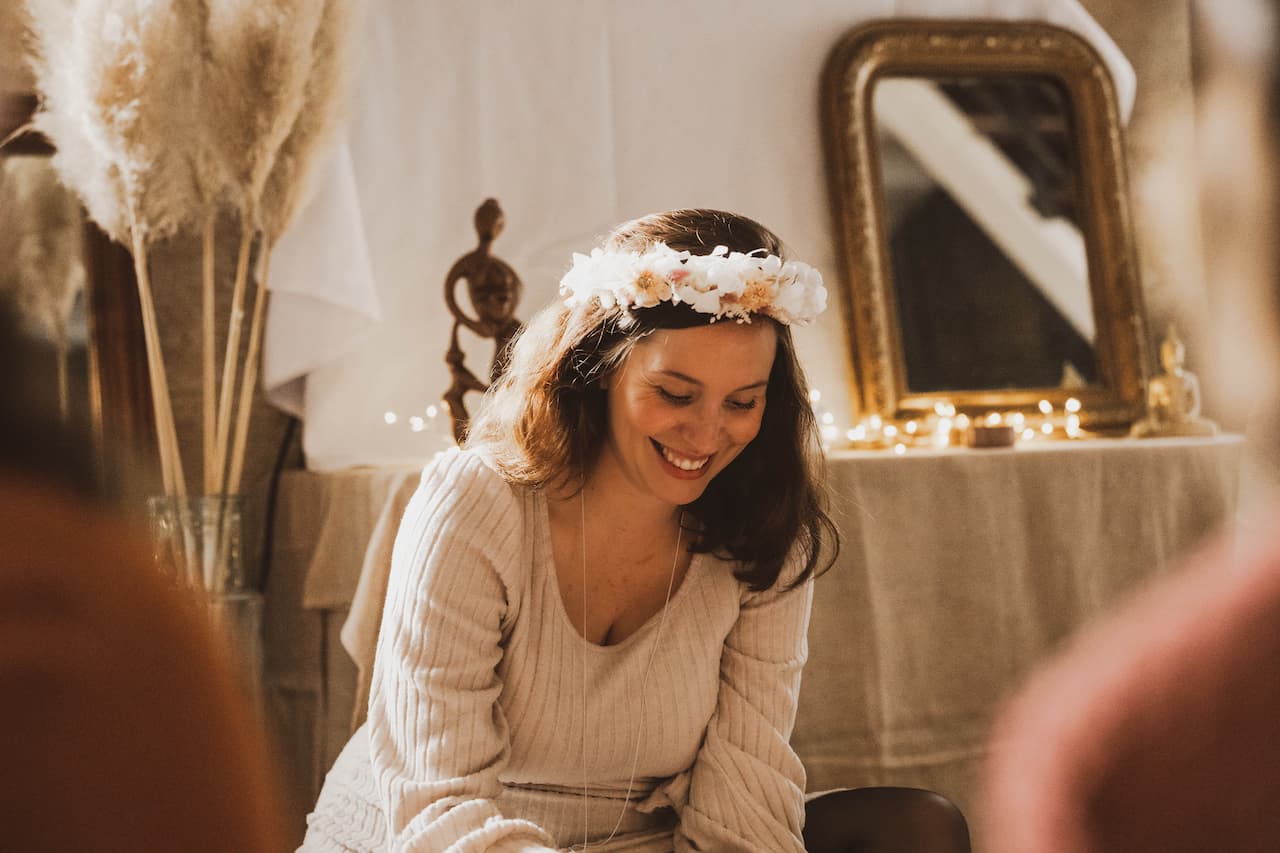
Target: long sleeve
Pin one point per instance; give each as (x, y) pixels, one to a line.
(437, 736)
(747, 785)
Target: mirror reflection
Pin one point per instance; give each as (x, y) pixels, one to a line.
(982, 170)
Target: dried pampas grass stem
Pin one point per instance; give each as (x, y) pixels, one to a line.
(171, 460)
(286, 185)
(208, 351)
(250, 378)
(230, 358)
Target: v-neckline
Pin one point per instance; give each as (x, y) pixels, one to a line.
(552, 583)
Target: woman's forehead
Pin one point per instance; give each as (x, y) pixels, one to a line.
(715, 352)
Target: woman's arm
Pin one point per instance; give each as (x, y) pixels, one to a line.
(437, 736)
(747, 785)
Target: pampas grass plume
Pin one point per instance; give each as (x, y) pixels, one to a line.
(121, 99)
(259, 56)
(41, 248)
(324, 99)
(87, 168)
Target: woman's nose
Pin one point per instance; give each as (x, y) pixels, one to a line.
(702, 431)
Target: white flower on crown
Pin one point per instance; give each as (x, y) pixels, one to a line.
(722, 284)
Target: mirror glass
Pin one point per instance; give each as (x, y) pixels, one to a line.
(987, 258)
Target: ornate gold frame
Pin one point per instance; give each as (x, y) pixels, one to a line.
(921, 47)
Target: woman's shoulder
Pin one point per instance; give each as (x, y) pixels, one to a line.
(463, 471)
(460, 487)
(465, 506)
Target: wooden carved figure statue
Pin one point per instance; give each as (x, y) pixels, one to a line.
(494, 290)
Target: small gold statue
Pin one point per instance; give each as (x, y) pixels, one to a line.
(1173, 397)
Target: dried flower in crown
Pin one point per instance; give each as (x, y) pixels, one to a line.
(722, 284)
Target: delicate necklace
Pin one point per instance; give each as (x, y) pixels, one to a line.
(644, 682)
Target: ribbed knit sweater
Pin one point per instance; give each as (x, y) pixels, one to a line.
(476, 730)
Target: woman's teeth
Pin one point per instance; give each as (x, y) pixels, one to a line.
(681, 462)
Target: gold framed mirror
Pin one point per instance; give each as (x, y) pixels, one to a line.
(978, 185)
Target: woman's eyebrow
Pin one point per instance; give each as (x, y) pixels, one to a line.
(684, 377)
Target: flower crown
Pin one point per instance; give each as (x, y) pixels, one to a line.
(722, 284)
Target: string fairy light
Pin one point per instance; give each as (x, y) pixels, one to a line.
(946, 426)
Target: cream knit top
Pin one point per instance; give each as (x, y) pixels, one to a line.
(476, 725)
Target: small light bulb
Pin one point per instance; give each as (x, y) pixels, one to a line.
(416, 423)
(993, 419)
(962, 421)
(390, 418)
(815, 396)
(890, 431)
(1028, 434)
(875, 422)
(830, 433)
(432, 411)
(1072, 405)
(1046, 408)
(1017, 420)
(911, 427)
(899, 449)
(858, 433)
(828, 418)
(1047, 429)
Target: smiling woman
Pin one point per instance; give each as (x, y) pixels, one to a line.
(617, 559)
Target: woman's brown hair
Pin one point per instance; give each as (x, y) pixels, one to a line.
(545, 420)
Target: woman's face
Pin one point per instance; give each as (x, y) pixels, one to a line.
(685, 403)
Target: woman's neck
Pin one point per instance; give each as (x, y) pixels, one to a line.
(614, 500)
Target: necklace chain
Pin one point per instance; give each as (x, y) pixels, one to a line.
(644, 682)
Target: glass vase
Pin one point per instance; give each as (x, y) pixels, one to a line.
(197, 541)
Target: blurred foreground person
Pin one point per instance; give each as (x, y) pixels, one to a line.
(121, 725)
(1155, 730)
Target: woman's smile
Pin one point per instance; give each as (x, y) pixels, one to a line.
(685, 467)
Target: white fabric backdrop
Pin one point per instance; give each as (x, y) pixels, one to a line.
(576, 115)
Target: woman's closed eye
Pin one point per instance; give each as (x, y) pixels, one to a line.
(674, 398)
(686, 399)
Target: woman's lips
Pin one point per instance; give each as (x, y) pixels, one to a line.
(666, 455)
